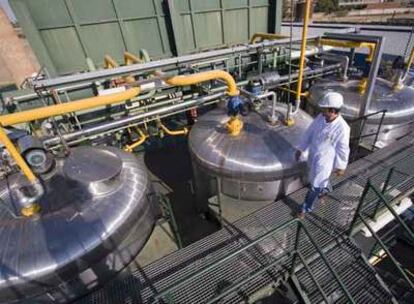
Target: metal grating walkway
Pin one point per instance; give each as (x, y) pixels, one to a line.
(326, 225)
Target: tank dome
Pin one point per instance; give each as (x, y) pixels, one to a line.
(95, 217)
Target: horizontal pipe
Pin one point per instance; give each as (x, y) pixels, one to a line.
(154, 65)
(132, 119)
(267, 36)
(218, 93)
(64, 108)
(186, 80)
(351, 44)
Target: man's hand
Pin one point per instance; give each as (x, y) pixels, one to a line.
(298, 154)
(339, 172)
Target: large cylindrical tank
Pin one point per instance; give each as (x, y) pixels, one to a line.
(256, 165)
(95, 217)
(399, 103)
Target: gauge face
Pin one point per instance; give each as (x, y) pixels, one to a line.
(36, 158)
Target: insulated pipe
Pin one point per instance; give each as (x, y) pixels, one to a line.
(302, 52)
(186, 80)
(64, 108)
(266, 36)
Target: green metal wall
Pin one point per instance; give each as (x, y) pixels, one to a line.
(64, 32)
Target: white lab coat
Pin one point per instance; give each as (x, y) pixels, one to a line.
(328, 146)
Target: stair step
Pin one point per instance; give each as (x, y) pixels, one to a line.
(360, 280)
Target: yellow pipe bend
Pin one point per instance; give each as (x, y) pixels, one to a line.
(109, 62)
(16, 156)
(64, 108)
(140, 141)
(351, 44)
(268, 36)
(184, 131)
(130, 58)
(185, 80)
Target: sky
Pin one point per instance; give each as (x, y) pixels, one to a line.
(5, 5)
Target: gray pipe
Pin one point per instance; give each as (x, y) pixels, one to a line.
(132, 119)
(154, 65)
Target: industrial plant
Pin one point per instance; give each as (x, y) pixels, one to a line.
(192, 151)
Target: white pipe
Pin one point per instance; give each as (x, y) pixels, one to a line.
(387, 217)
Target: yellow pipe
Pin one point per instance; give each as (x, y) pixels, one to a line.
(171, 132)
(268, 36)
(109, 62)
(16, 156)
(351, 44)
(305, 94)
(64, 108)
(140, 141)
(130, 58)
(409, 63)
(303, 50)
(185, 80)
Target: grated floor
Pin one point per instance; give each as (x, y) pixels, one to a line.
(326, 224)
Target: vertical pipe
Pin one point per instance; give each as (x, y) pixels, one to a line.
(16, 156)
(303, 50)
(373, 71)
(409, 63)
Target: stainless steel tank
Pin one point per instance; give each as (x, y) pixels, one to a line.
(398, 120)
(257, 165)
(96, 215)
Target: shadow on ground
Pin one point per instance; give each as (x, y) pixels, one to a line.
(170, 168)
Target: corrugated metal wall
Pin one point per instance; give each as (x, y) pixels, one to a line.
(64, 32)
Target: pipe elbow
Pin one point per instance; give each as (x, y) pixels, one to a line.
(184, 131)
(109, 62)
(185, 80)
(130, 58)
(140, 141)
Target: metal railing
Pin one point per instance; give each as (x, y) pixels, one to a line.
(381, 201)
(168, 216)
(356, 140)
(167, 295)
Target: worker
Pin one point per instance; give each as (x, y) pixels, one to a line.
(327, 143)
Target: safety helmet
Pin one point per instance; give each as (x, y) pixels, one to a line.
(331, 100)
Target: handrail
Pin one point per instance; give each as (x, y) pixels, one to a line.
(167, 291)
(357, 139)
(384, 200)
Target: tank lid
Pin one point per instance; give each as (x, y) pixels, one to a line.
(92, 165)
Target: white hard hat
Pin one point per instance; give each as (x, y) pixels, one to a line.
(331, 100)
